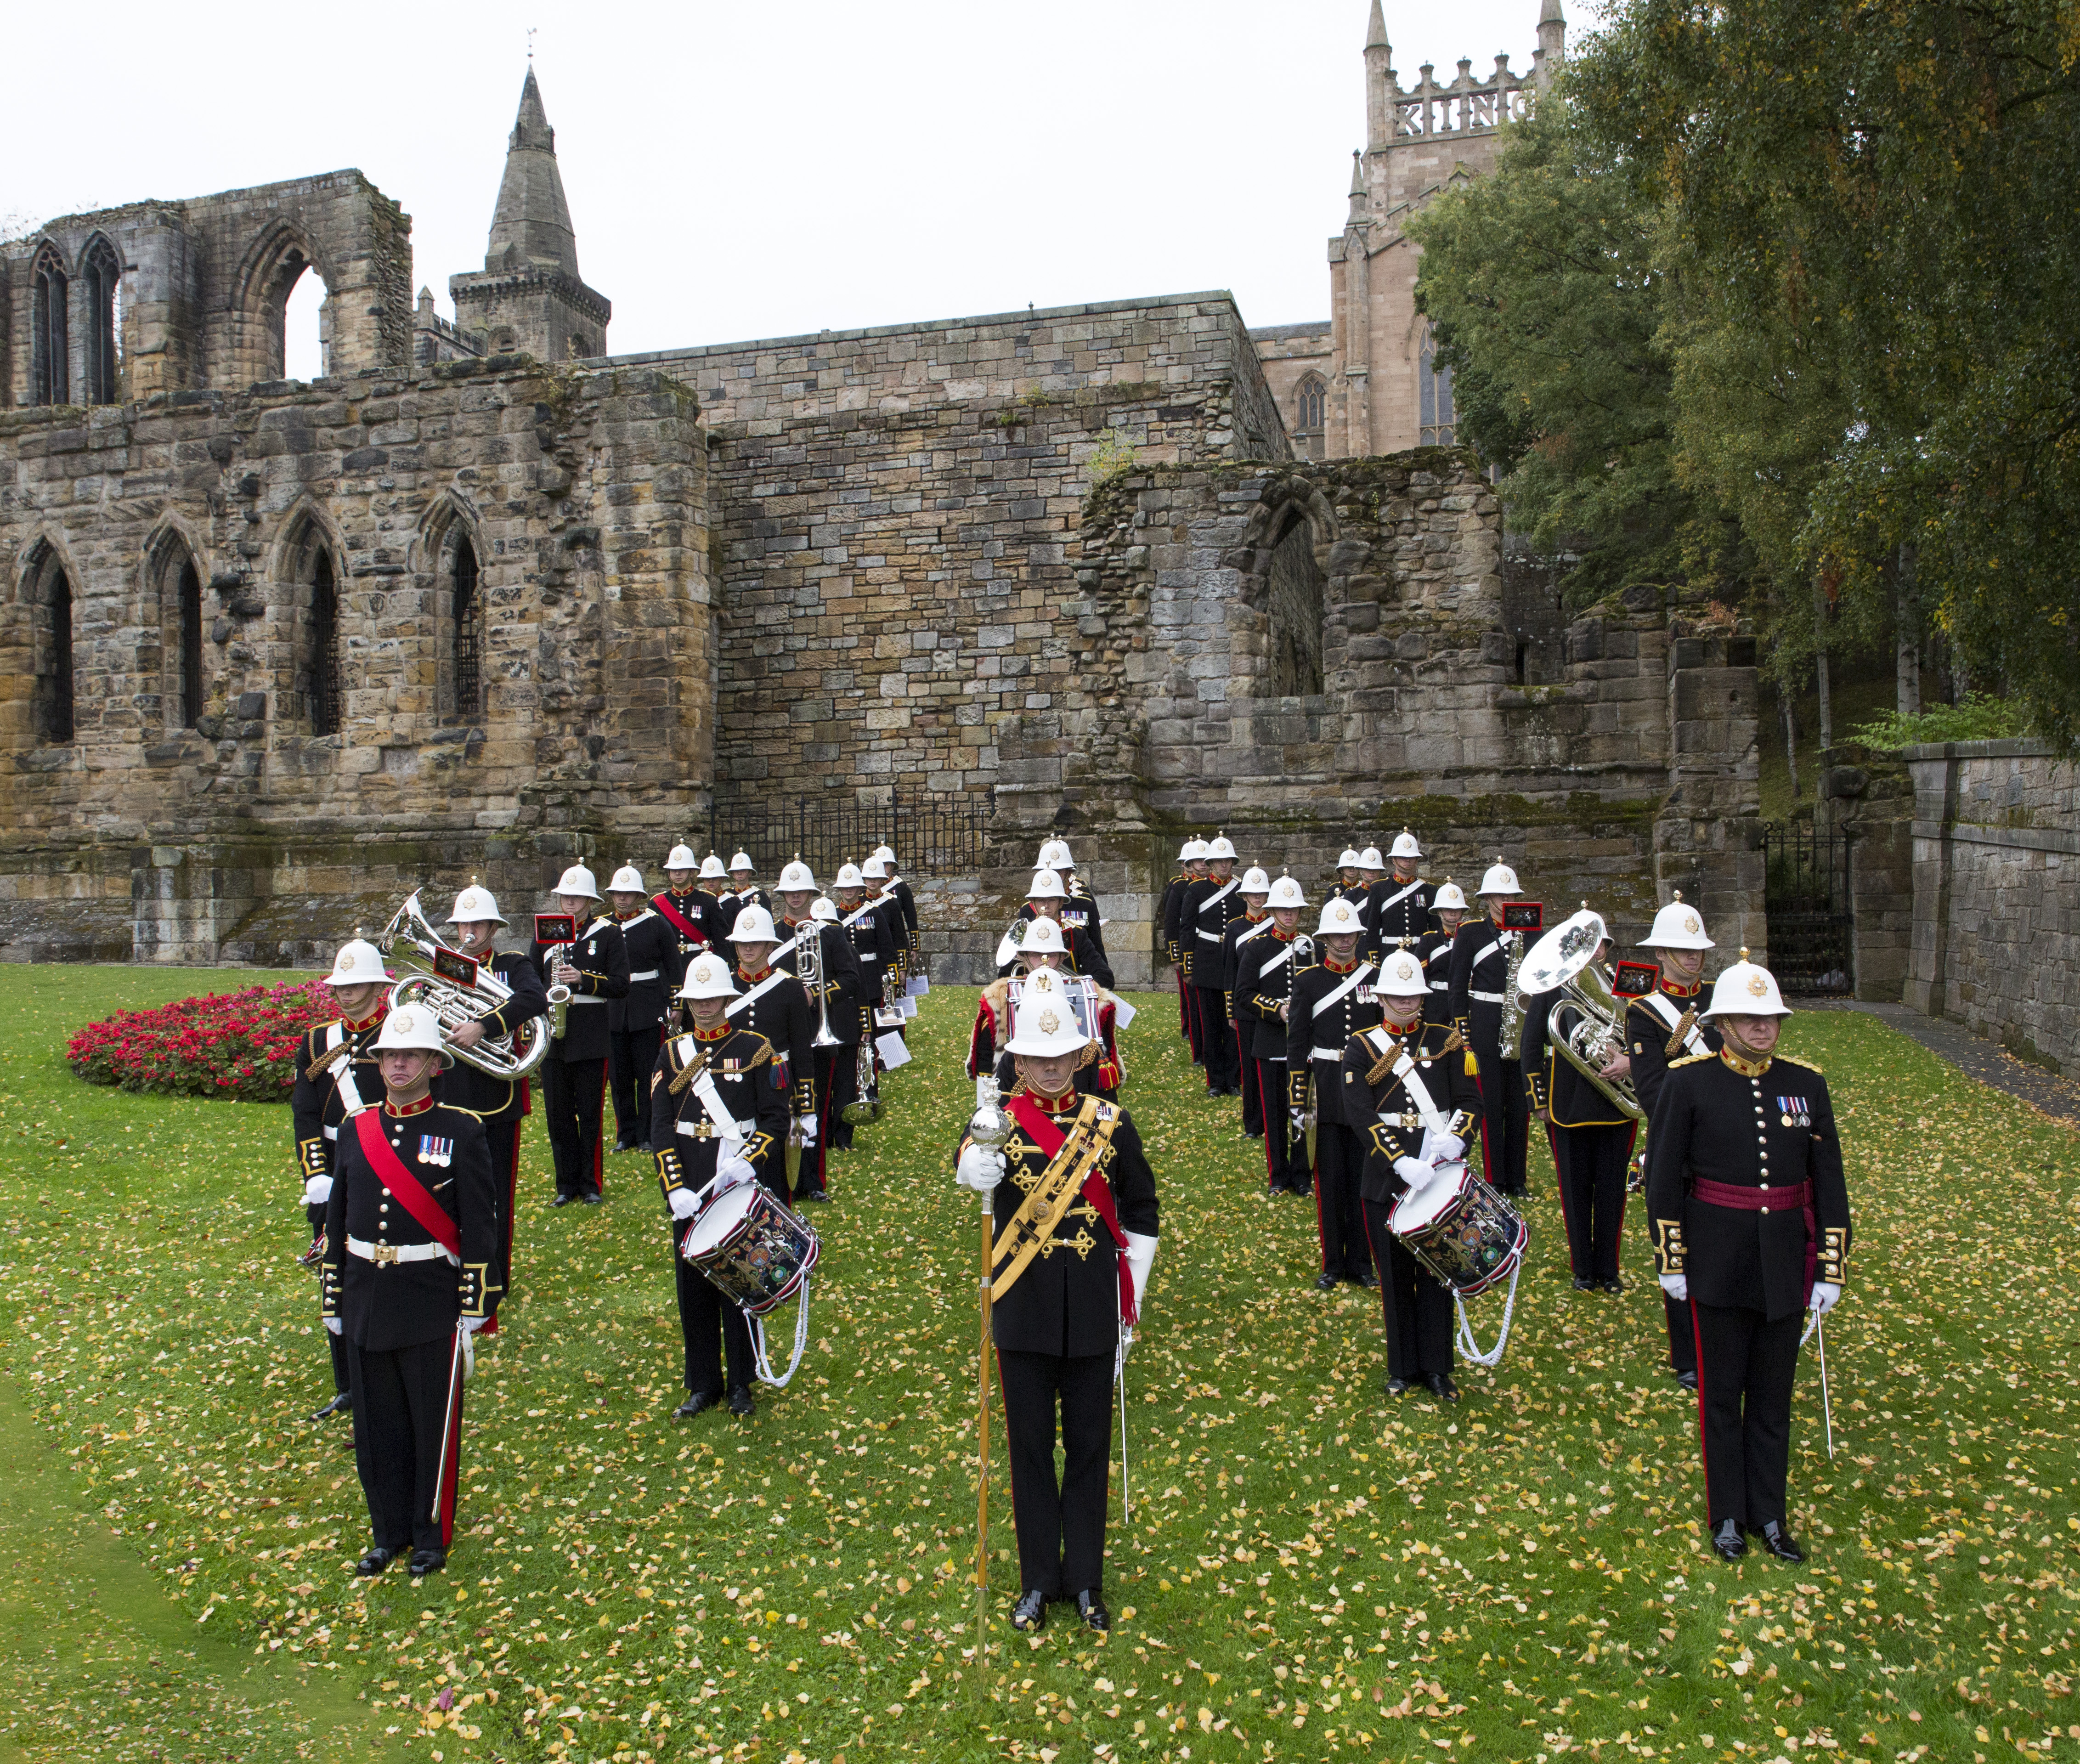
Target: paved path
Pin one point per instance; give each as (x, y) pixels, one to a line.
(1972, 1054)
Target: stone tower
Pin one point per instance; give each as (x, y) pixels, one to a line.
(529, 295)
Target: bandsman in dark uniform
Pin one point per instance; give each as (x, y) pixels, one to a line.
(1480, 966)
(1407, 1078)
(797, 924)
(1331, 1002)
(595, 968)
(1433, 948)
(1750, 1214)
(1242, 1024)
(500, 1104)
(1076, 1228)
(1266, 969)
(1103, 1069)
(875, 876)
(851, 1021)
(1210, 905)
(1664, 1026)
(774, 1002)
(1044, 898)
(1398, 905)
(743, 889)
(1348, 885)
(336, 1075)
(1191, 866)
(690, 908)
(635, 1021)
(1081, 910)
(718, 1115)
(871, 925)
(1590, 1135)
(908, 941)
(411, 1245)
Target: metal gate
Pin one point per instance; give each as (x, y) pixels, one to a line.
(932, 834)
(1806, 903)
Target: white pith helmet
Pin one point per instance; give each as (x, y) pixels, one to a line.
(410, 1028)
(742, 861)
(1500, 879)
(824, 910)
(1055, 855)
(1222, 850)
(1255, 881)
(887, 854)
(475, 903)
(754, 925)
(681, 857)
(1401, 976)
(627, 880)
(795, 878)
(1043, 937)
(578, 880)
(1451, 898)
(1287, 892)
(1349, 860)
(1188, 851)
(358, 963)
(1043, 1024)
(711, 869)
(707, 977)
(1046, 885)
(1405, 845)
(1195, 851)
(1747, 989)
(875, 869)
(849, 876)
(1340, 918)
(1678, 927)
(1370, 859)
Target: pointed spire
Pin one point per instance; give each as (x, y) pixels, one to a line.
(1361, 197)
(532, 226)
(1376, 36)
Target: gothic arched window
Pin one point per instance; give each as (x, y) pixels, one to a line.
(50, 351)
(101, 291)
(466, 629)
(50, 597)
(1436, 417)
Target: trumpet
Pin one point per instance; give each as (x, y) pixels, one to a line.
(414, 950)
(1585, 1022)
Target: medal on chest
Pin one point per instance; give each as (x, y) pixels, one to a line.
(434, 1151)
(1794, 1111)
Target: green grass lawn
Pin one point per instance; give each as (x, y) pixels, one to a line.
(1311, 1572)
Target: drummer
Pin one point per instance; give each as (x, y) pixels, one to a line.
(717, 1117)
(1407, 1079)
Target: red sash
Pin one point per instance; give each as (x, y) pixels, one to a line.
(1041, 1130)
(407, 1188)
(663, 903)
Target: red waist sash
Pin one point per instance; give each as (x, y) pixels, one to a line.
(1744, 1200)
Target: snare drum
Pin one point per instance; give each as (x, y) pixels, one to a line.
(751, 1247)
(1461, 1230)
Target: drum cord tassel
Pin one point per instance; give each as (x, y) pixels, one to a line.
(762, 1365)
(1471, 1348)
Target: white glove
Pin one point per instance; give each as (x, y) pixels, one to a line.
(806, 1127)
(1140, 1259)
(1299, 1119)
(1825, 1294)
(1440, 1147)
(1415, 1171)
(332, 1323)
(683, 1202)
(733, 1169)
(317, 1191)
(472, 1325)
(1676, 1286)
(980, 1169)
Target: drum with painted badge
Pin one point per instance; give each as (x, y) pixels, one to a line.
(1461, 1230)
(755, 1250)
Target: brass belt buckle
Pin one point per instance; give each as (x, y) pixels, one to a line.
(385, 1254)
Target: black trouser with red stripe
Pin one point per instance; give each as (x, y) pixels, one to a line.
(1745, 1367)
(809, 1178)
(1338, 1213)
(1252, 1100)
(1590, 1163)
(1061, 1525)
(1418, 1308)
(1195, 1027)
(1217, 1040)
(1284, 1146)
(631, 1060)
(703, 1311)
(504, 1138)
(315, 1217)
(574, 1100)
(1505, 1123)
(401, 1407)
(1682, 1335)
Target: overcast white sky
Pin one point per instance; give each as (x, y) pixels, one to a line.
(740, 170)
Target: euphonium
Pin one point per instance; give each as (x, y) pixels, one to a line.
(410, 945)
(1586, 1024)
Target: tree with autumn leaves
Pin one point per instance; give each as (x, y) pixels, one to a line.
(1781, 299)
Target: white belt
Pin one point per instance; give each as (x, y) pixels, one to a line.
(382, 1253)
(648, 974)
(1325, 1054)
(332, 1132)
(588, 998)
(1487, 998)
(1211, 937)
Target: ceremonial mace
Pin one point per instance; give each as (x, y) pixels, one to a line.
(989, 1127)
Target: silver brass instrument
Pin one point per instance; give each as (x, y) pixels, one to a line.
(1586, 1023)
(809, 969)
(1511, 1038)
(411, 946)
(867, 1105)
(1008, 945)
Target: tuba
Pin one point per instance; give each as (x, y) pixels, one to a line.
(415, 952)
(1009, 946)
(1586, 1023)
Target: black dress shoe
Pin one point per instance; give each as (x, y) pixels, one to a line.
(1688, 1380)
(1582, 1285)
(1363, 1277)
(812, 1200)
(1613, 1285)
(1030, 1612)
(426, 1561)
(694, 1404)
(1441, 1386)
(741, 1401)
(620, 1146)
(1326, 1282)
(1781, 1543)
(375, 1562)
(1728, 1541)
(1398, 1387)
(341, 1405)
(563, 1201)
(593, 1200)
(1091, 1608)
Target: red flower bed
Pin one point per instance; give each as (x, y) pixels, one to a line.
(237, 1045)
